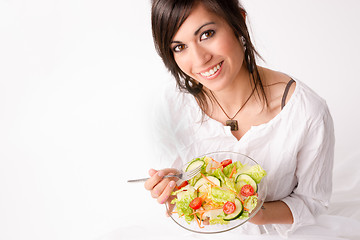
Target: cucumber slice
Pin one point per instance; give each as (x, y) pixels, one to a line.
(237, 213)
(243, 179)
(199, 184)
(194, 164)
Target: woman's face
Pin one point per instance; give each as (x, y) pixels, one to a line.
(206, 49)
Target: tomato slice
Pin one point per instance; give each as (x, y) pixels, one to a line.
(226, 162)
(229, 207)
(196, 203)
(183, 184)
(247, 190)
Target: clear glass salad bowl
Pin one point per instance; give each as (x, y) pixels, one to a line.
(218, 228)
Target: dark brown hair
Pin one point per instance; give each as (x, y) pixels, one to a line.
(166, 18)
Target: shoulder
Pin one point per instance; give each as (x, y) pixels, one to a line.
(303, 101)
(275, 84)
(310, 102)
(307, 108)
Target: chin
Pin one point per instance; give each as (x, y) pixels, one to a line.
(216, 86)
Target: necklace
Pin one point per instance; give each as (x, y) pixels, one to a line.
(231, 122)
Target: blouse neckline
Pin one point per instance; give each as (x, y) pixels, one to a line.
(226, 129)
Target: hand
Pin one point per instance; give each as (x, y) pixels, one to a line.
(159, 187)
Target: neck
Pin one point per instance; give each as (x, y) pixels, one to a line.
(234, 96)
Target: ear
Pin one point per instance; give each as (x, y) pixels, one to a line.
(243, 13)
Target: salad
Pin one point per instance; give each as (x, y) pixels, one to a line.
(221, 192)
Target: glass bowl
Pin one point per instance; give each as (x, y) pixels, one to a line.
(218, 228)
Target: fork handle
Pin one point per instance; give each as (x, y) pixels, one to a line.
(137, 180)
(144, 179)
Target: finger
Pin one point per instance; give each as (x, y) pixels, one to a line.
(160, 187)
(166, 192)
(152, 172)
(153, 180)
(157, 177)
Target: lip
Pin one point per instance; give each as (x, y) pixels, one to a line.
(216, 74)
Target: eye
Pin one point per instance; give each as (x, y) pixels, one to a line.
(207, 34)
(179, 48)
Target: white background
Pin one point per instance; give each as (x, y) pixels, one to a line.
(78, 79)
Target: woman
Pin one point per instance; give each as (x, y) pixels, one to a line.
(227, 102)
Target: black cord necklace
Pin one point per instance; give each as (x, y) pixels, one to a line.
(234, 126)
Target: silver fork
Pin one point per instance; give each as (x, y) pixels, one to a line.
(184, 176)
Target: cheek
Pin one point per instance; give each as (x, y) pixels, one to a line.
(234, 49)
(183, 64)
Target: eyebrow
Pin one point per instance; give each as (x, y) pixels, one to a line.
(197, 31)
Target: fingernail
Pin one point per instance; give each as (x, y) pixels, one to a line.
(172, 184)
(160, 174)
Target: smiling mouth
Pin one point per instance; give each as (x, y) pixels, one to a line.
(212, 72)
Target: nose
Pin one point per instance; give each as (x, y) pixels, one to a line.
(200, 55)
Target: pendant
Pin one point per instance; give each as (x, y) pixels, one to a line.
(233, 125)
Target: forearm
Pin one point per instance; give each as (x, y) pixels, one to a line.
(276, 212)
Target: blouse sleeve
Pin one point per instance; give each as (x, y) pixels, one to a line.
(165, 144)
(314, 175)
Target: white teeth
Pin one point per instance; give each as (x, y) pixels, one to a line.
(212, 71)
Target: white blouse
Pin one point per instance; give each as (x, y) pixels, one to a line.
(296, 149)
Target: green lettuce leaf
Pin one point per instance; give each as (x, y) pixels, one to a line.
(183, 201)
(239, 166)
(188, 189)
(227, 170)
(219, 195)
(244, 215)
(256, 172)
(219, 174)
(250, 203)
(230, 183)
